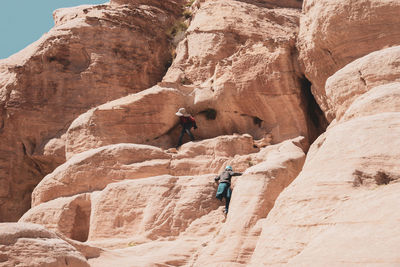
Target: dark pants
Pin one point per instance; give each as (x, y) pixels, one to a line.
(185, 130)
(224, 190)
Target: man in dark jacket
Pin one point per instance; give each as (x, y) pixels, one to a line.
(187, 122)
(224, 187)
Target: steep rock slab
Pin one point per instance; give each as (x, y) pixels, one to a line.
(275, 3)
(211, 155)
(178, 231)
(361, 76)
(140, 118)
(241, 68)
(334, 33)
(339, 199)
(151, 208)
(253, 197)
(94, 169)
(26, 244)
(94, 54)
(68, 216)
(380, 99)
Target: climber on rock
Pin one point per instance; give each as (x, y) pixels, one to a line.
(187, 122)
(224, 188)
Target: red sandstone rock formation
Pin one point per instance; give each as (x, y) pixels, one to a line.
(94, 54)
(334, 33)
(123, 198)
(25, 244)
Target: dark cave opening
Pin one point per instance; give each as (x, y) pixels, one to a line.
(317, 122)
(210, 114)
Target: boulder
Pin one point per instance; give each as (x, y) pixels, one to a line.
(27, 244)
(335, 33)
(94, 54)
(376, 69)
(380, 99)
(69, 216)
(140, 118)
(94, 169)
(212, 155)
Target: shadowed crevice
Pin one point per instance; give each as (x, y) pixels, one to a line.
(316, 120)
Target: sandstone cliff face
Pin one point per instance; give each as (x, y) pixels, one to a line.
(124, 197)
(237, 74)
(94, 54)
(26, 244)
(340, 206)
(334, 33)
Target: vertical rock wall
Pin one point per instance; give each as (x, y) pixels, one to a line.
(94, 54)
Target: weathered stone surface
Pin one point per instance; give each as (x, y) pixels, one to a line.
(241, 66)
(212, 155)
(335, 33)
(324, 205)
(155, 207)
(340, 206)
(359, 77)
(94, 169)
(236, 75)
(94, 54)
(68, 216)
(137, 118)
(275, 3)
(26, 244)
(384, 98)
(190, 229)
(253, 197)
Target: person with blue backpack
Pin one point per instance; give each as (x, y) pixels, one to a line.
(224, 187)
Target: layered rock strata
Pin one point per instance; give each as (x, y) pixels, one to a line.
(235, 75)
(147, 216)
(334, 33)
(26, 244)
(339, 209)
(94, 54)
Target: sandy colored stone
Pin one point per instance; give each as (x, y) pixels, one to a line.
(327, 216)
(242, 66)
(185, 226)
(26, 244)
(69, 216)
(94, 169)
(376, 69)
(94, 54)
(384, 98)
(335, 33)
(138, 118)
(156, 207)
(253, 197)
(212, 155)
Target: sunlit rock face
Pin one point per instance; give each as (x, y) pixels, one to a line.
(350, 180)
(119, 192)
(94, 54)
(334, 33)
(26, 244)
(243, 66)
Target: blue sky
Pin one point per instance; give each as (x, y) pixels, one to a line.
(24, 21)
